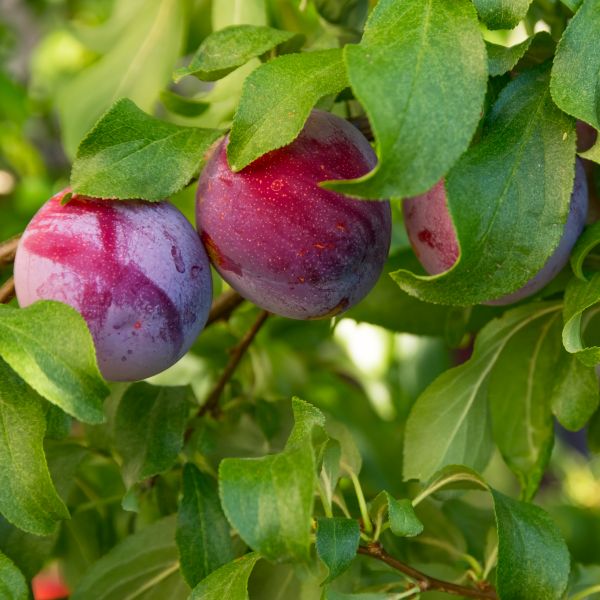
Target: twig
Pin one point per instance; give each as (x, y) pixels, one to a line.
(425, 582)
(223, 306)
(212, 403)
(7, 291)
(8, 250)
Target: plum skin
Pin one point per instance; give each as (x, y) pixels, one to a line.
(432, 236)
(281, 241)
(136, 271)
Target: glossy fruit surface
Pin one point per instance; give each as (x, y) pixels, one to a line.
(283, 242)
(433, 238)
(136, 271)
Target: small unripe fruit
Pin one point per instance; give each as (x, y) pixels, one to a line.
(136, 271)
(281, 240)
(432, 236)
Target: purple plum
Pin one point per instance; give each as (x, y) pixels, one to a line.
(134, 270)
(281, 240)
(433, 238)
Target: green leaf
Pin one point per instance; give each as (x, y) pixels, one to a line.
(588, 240)
(502, 59)
(593, 433)
(202, 535)
(129, 154)
(575, 81)
(330, 469)
(593, 153)
(137, 66)
(449, 423)
(403, 520)
(420, 73)
(143, 565)
(225, 50)
(533, 560)
(149, 426)
(180, 105)
(388, 306)
(27, 496)
(520, 408)
(230, 582)
(579, 296)
(350, 14)
(333, 595)
(49, 345)
(502, 14)
(269, 500)
(337, 543)
(277, 99)
(12, 583)
(574, 397)
(508, 196)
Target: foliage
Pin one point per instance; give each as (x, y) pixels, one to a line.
(439, 447)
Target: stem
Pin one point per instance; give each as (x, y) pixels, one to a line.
(212, 403)
(223, 306)
(7, 291)
(425, 582)
(583, 594)
(362, 504)
(8, 250)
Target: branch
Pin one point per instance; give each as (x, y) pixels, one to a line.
(424, 582)
(223, 306)
(212, 403)
(7, 291)
(8, 250)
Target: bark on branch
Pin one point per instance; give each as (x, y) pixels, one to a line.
(425, 583)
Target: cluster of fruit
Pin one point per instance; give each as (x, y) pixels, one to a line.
(139, 273)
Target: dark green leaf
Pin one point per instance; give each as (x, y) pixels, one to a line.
(350, 14)
(337, 543)
(502, 59)
(502, 14)
(508, 196)
(143, 565)
(180, 105)
(277, 99)
(533, 560)
(129, 154)
(202, 535)
(588, 240)
(519, 397)
(579, 296)
(49, 345)
(575, 81)
(575, 396)
(449, 423)
(149, 427)
(420, 72)
(27, 496)
(269, 500)
(12, 583)
(137, 65)
(227, 49)
(230, 582)
(403, 520)
(390, 307)
(593, 434)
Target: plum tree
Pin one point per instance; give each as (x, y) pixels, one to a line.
(136, 271)
(433, 238)
(282, 241)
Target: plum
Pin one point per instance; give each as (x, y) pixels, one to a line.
(136, 271)
(433, 238)
(281, 240)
